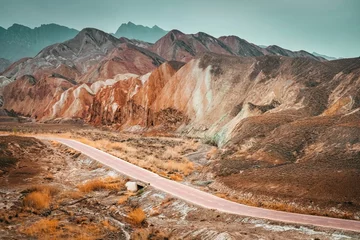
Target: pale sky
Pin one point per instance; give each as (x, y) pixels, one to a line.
(330, 27)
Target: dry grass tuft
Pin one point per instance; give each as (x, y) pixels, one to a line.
(37, 200)
(51, 229)
(137, 216)
(176, 177)
(42, 227)
(40, 196)
(108, 183)
(184, 167)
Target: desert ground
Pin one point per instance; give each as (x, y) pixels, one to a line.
(50, 191)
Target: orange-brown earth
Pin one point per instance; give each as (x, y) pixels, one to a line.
(52, 192)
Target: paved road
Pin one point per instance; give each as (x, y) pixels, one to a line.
(204, 199)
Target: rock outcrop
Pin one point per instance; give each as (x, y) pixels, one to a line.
(224, 99)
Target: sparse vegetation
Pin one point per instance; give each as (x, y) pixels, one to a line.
(137, 216)
(52, 229)
(37, 200)
(40, 197)
(108, 183)
(43, 227)
(161, 160)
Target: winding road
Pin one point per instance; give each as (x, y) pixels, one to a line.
(203, 199)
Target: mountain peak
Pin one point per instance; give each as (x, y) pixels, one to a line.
(131, 23)
(176, 32)
(18, 27)
(96, 35)
(131, 30)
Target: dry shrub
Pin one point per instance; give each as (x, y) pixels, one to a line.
(42, 227)
(184, 167)
(37, 200)
(39, 197)
(221, 195)
(108, 183)
(51, 229)
(137, 216)
(176, 177)
(105, 144)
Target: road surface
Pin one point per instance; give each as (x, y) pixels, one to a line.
(204, 199)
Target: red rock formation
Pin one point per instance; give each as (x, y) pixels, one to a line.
(30, 96)
(90, 56)
(128, 103)
(126, 58)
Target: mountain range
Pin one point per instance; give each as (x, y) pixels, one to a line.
(93, 57)
(324, 56)
(19, 41)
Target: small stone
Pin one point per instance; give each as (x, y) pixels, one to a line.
(131, 186)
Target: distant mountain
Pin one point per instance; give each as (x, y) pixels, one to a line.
(324, 56)
(139, 32)
(4, 63)
(19, 41)
(179, 46)
(176, 45)
(276, 50)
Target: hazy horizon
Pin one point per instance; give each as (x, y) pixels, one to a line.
(326, 27)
